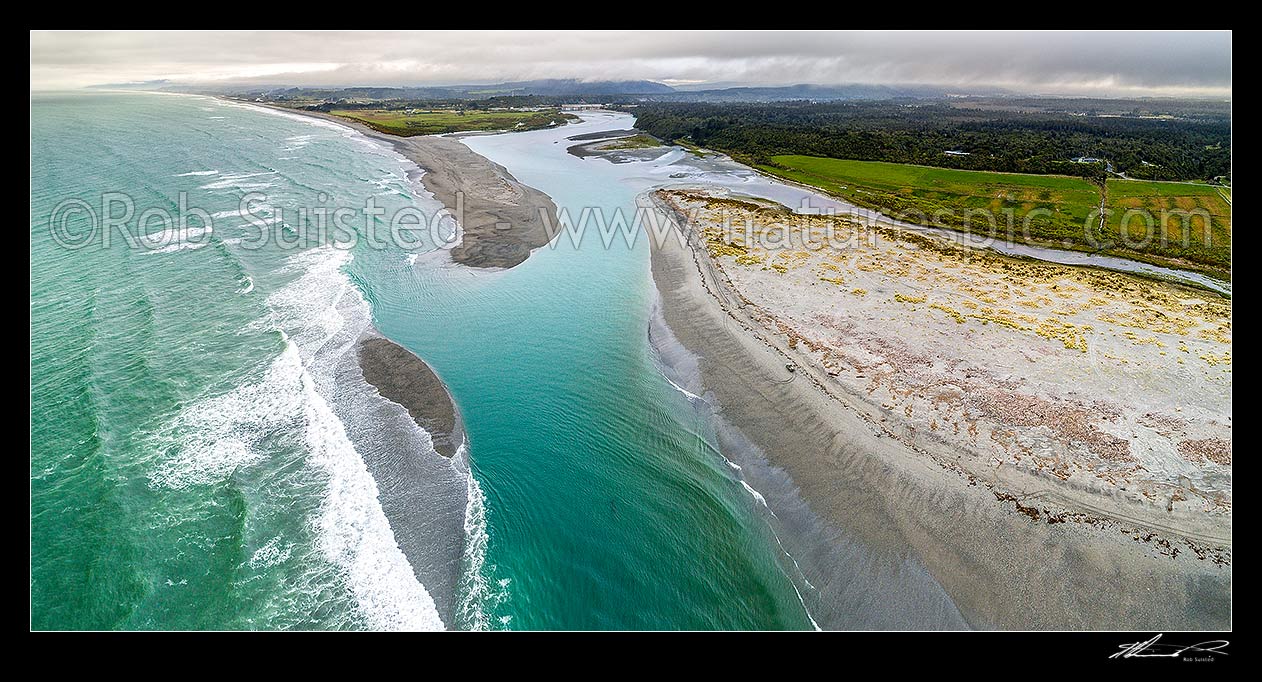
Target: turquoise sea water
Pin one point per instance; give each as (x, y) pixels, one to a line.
(198, 452)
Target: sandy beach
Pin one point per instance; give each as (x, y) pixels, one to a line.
(502, 220)
(1013, 547)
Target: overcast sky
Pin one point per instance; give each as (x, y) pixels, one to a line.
(1105, 63)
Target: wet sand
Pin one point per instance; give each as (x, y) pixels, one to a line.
(1001, 566)
(403, 378)
(422, 491)
(502, 220)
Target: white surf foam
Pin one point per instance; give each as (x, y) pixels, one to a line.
(310, 120)
(308, 305)
(757, 495)
(354, 532)
(477, 591)
(408, 168)
(353, 527)
(271, 554)
(171, 248)
(175, 239)
(214, 437)
(691, 396)
(235, 181)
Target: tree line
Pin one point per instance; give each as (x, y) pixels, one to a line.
(1185, 147)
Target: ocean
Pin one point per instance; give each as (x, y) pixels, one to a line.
(204, 454)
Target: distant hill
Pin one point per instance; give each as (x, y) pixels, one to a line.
(569, 86)
(535, 88)
(133, 85)
(809, 92)
(559, 89)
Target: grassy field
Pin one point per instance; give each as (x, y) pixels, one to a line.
(641, 141)
(1059, 210)
(434, 121)
(1194, 220)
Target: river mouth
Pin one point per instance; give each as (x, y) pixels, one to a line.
(284, 491)
(827, 567)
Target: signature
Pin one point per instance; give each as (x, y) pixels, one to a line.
(1153, 648)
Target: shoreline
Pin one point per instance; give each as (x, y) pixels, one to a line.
(417, 460)
(501, 221)
(424, 495)
(421, 460)
(874, 484)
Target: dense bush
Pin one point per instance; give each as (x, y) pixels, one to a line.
(1190, 147)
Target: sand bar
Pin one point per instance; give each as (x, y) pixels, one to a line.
(403, 378)
(502, 220)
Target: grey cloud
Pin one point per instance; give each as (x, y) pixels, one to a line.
(1105, 62)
